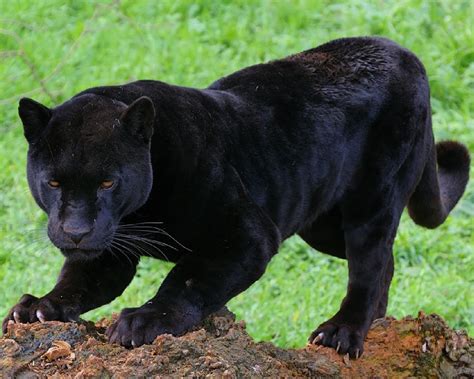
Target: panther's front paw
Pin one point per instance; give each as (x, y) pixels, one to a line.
(138, 326)
(33, 309)
(344, 338)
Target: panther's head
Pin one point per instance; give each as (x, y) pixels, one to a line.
(88, 166)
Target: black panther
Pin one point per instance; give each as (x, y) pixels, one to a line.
(331, 144)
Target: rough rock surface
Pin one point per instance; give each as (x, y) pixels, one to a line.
(220, 347)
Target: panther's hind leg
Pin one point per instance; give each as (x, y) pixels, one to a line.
(327, 236)
(389, 171)
(368, 250)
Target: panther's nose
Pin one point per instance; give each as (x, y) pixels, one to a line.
(75, 234)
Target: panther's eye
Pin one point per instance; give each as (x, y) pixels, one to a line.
(106, 184)
(53, 184)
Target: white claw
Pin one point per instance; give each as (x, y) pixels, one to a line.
(424, 347)
(318, 338)
(16, 316)
(40, 316)
(338, 347)
(134, 344)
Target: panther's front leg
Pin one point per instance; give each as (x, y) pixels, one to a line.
(203, 281)
(82, 285)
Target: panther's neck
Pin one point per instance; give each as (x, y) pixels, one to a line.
(192, 124)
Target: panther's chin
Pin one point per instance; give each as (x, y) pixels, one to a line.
(81, 253)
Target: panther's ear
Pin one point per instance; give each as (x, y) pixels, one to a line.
(35, 117)
(139, 118)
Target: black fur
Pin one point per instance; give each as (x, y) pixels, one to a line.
(331, 143)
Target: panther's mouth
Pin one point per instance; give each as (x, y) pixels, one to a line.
(81, 253)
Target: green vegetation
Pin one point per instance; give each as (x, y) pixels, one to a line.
(50, 50)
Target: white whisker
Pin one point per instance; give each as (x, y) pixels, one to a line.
(126, 238)
(144, 227)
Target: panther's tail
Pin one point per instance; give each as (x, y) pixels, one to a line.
(442, 184)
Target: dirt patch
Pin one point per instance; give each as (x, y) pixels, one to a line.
(220, 347)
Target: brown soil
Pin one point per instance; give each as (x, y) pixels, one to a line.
(220, 347)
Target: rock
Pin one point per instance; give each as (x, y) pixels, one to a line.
(220, 347)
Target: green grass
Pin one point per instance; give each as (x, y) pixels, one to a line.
(50, 51)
